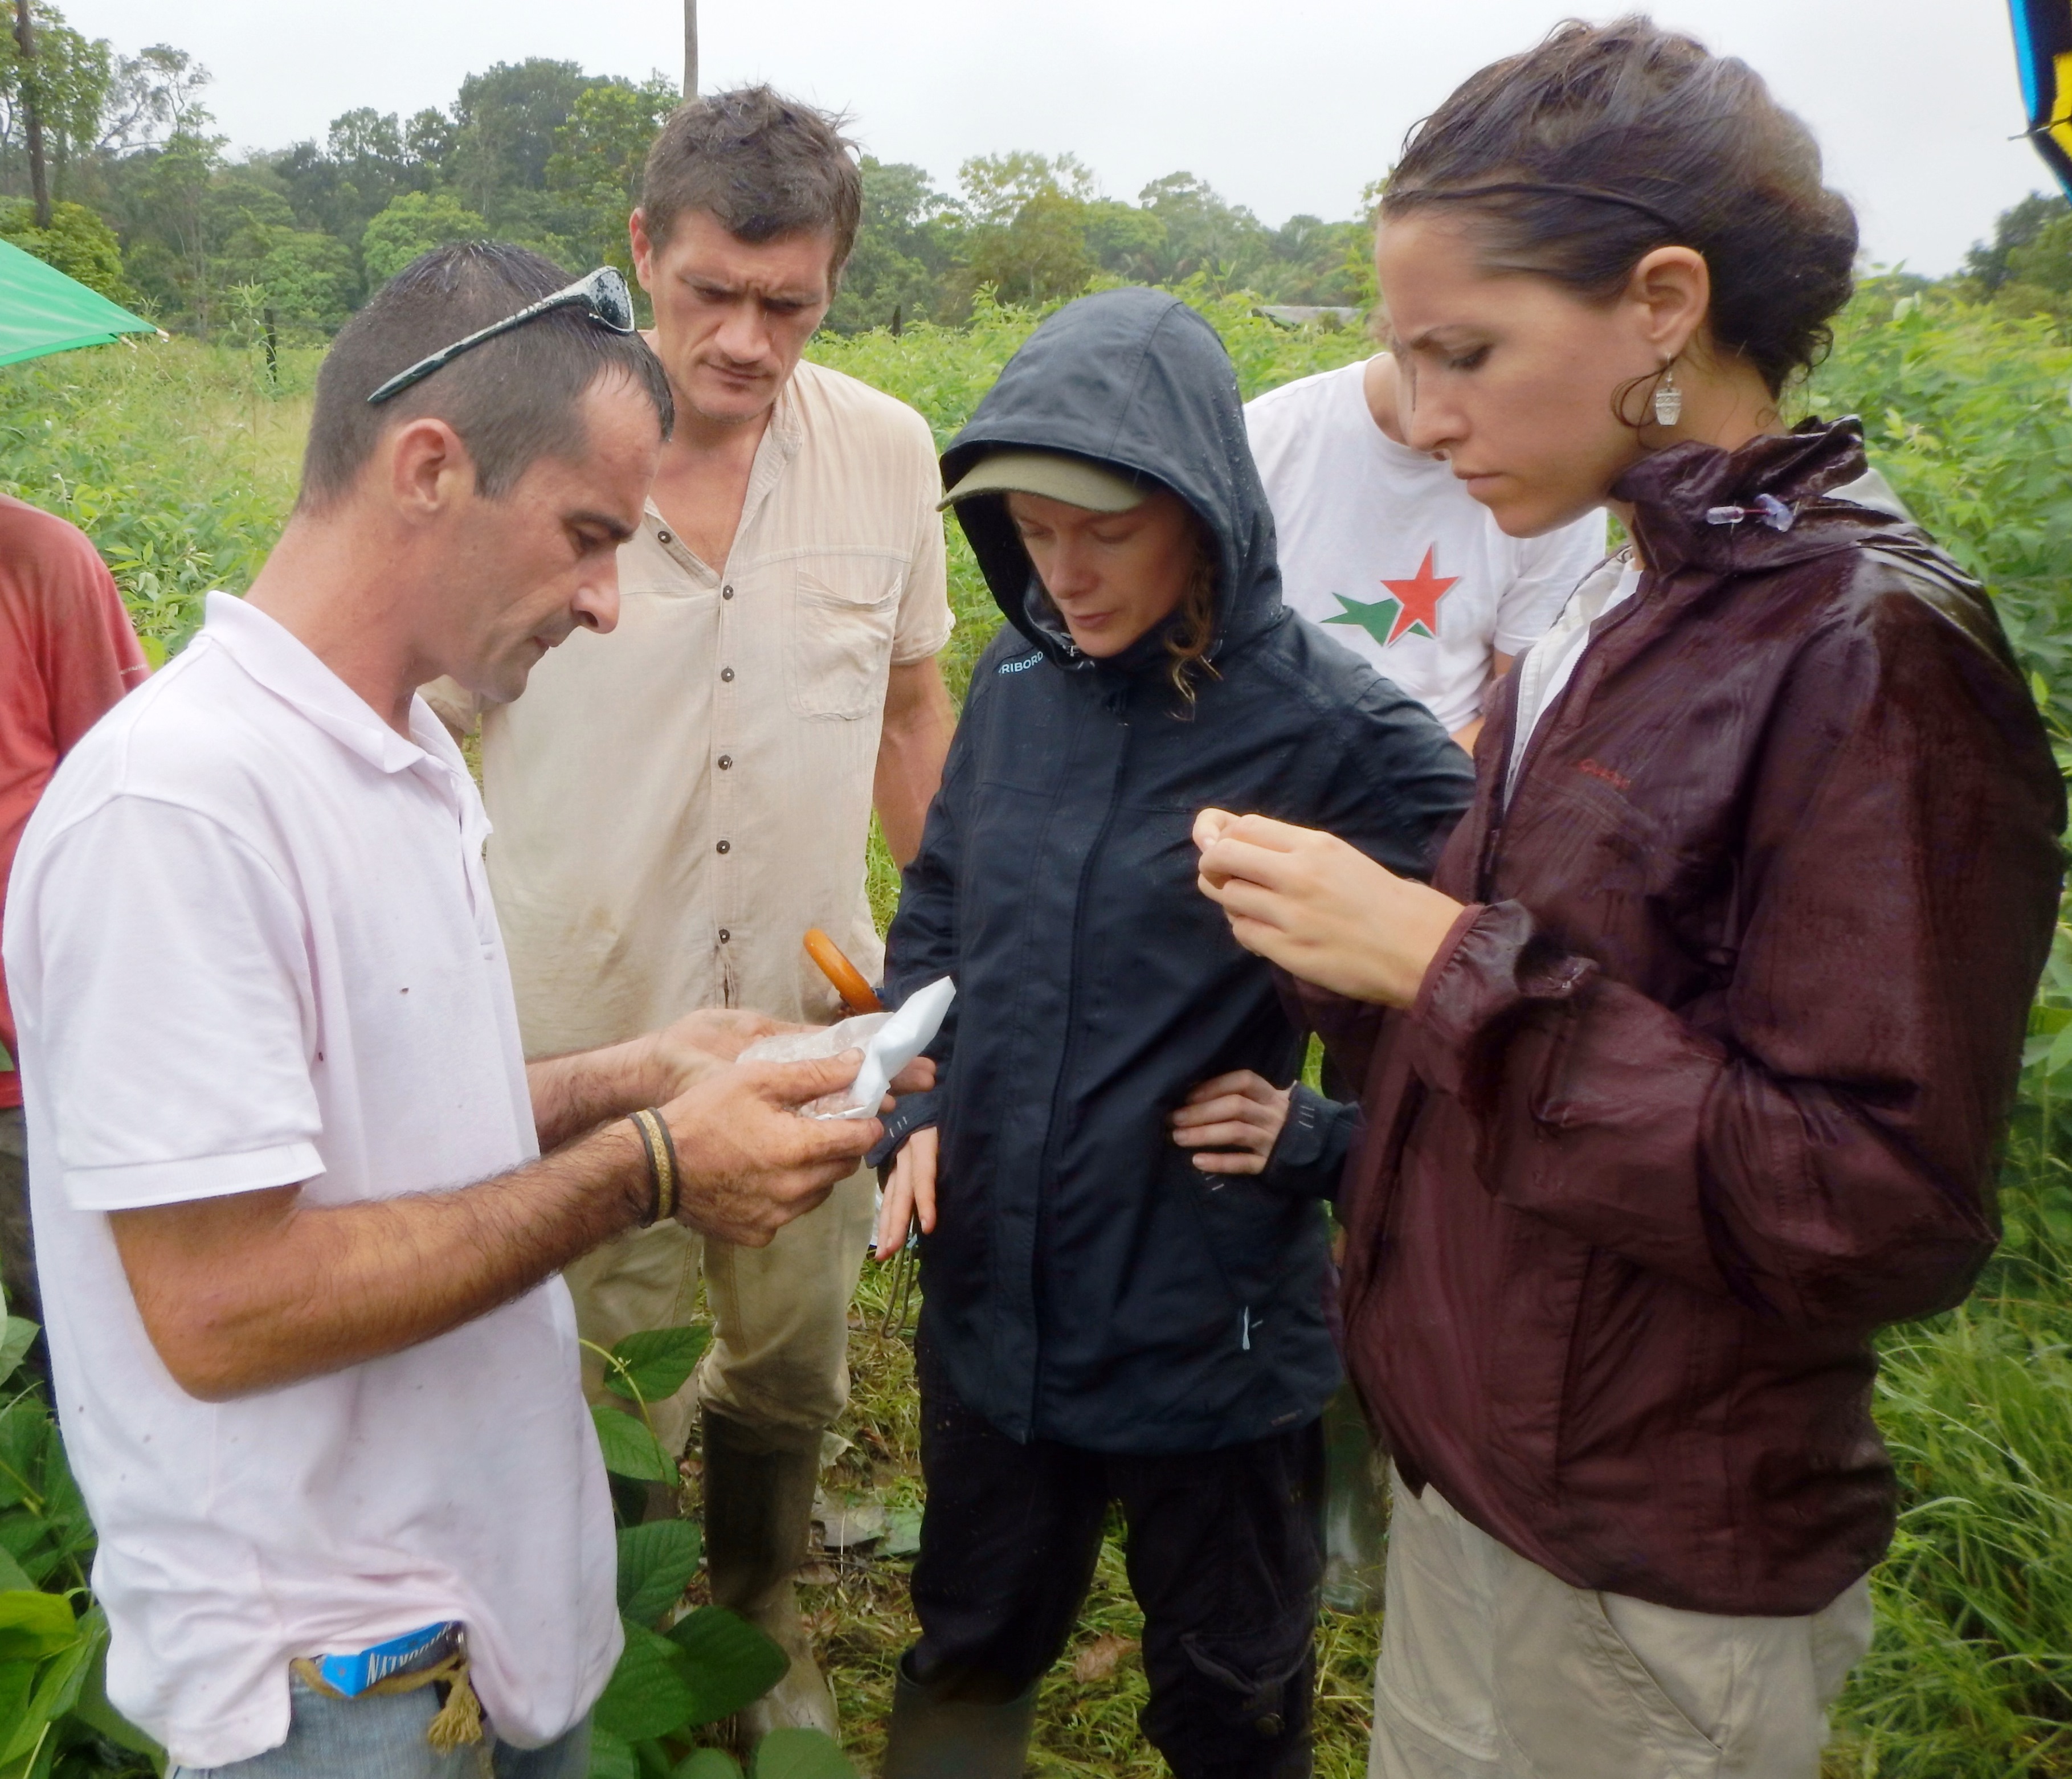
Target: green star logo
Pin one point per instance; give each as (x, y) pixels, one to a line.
(1378, 620)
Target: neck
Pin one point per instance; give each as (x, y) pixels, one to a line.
(1726, 403)
(700, 438)
(344, 600)
(1378, 381)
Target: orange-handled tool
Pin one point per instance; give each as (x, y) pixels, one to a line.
(848, 979)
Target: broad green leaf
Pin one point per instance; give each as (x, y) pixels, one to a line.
(18, 1680)
(14, 1338)
(21, 1425)
(708, 1764)
(33, 1625)
(731, 1663)
(57, 1687)
(650, 1693)
(656, 1561)
(800, 1754)
(629, 1448)
(610, 1758)
(657, 1361)
(13, 1578)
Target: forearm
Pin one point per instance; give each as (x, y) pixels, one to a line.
(307, 1290)
(1610, 1115)
(577, 1092)
(911, 747)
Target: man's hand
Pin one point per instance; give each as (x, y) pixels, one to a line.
(1236, 1118)
(751, 1163)
(911, 1190)
(681, 1054)
(1321, 910)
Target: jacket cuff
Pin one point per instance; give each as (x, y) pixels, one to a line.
(1308, 1159)
(1494, 969)
(914, 1112)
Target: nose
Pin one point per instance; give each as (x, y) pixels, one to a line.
(1070, 571)
(1430, 423)
(596, 603)
(742, 337)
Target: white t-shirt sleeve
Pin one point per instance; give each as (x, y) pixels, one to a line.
(175, 1014)
(1549, 570)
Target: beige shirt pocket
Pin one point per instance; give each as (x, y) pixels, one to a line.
(844, 610)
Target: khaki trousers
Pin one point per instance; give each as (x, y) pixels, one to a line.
(1491, 1668)
(780, 1358)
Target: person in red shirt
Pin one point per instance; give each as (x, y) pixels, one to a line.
(67, 654)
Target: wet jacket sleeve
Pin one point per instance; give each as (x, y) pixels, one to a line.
(1309, 1158)
(1812, 1134)
(1399, 786)
(922, 945)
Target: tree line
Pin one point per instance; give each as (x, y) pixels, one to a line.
(146, 205)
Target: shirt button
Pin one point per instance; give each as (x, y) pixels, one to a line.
(725, 846)
(663, 536)
(726, 673)
(724, 935)
(726, 592)
(726, 761)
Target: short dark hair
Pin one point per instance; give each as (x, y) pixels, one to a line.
(512, 400)
(1607, 141)
(763, 165)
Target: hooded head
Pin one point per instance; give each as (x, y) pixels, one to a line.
(1135, 384)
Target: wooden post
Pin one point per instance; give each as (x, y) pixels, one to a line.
(32, 107)
(896, 309)
(690, 47)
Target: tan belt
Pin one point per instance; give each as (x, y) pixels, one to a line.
(459, 1719)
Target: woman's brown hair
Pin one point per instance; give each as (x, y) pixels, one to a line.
(1191, 629)
(1581, 157)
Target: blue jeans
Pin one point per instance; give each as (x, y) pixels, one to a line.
(381, 1735)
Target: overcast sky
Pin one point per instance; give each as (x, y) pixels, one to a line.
(1285, 108)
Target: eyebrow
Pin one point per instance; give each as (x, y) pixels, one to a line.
(613, 526)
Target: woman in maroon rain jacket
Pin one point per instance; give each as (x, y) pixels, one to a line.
(1704, 1035)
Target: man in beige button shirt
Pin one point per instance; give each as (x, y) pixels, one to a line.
(675, 804)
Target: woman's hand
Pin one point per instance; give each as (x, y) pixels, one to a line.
(911, 1189)
(1321, 910)
(1237, 1117)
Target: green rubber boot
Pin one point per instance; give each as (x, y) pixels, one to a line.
(758, 1513)
(933, 1737)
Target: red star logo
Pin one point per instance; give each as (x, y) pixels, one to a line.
(1420, 597)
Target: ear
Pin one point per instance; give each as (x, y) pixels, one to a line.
(428, 467)
(644, 250)
(1671, 292)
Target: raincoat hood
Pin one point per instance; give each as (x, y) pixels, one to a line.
(1136, 380)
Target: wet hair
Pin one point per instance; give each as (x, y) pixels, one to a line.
(761, 165)
(512, 400)
(1191, 629)
(1581, 157)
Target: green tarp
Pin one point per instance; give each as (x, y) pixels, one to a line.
(42, 310)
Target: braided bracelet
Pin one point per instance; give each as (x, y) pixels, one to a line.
(662, 1166)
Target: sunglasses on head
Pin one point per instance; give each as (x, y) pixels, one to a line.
(601, 295)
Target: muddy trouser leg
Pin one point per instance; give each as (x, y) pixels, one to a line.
(1225, 1552)
(1008, 1545)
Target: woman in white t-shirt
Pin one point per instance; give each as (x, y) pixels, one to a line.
(1382, 545)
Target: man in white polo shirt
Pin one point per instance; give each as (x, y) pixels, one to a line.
(1383, 547)
(298, 1239)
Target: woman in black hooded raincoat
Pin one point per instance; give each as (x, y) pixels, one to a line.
(1105, 1318)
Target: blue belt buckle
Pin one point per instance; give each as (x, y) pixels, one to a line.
(352, 1674)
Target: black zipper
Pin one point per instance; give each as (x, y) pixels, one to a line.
(1120, 704)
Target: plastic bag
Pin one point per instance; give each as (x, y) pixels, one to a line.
(888, 1042)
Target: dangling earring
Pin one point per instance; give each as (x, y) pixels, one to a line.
(1669, 398)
